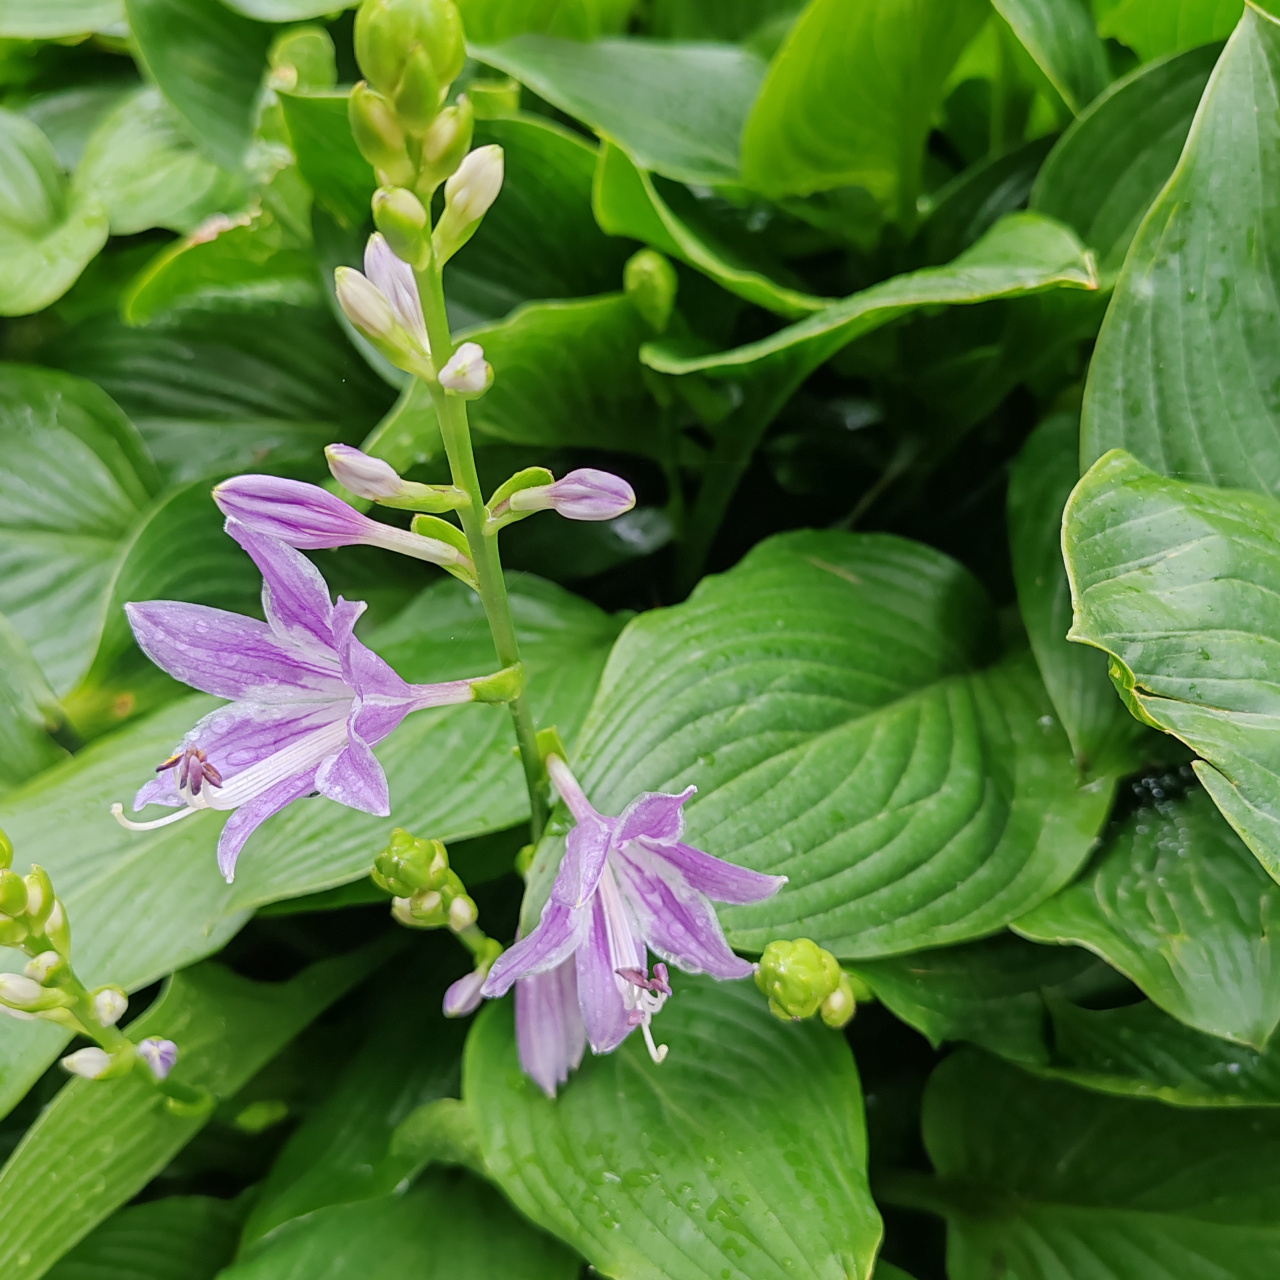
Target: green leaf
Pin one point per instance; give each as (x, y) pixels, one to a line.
(831, 700)
(208, 62)
(1103, 734)
(178, 1238)
(68, 116)
(147, 174)
(51, 19)
(48, 231)
(1155, 27)
(1178, 583)
(450, 1226)
(289, 10)
(28, 711)
(1191, 336)
(677, 109)
(1060, 36)
(850, 97)
(491, 21)
(100, 1142)
(628, 202)
(75, 482)
(743, 1154)
(1112, 162)
(1040, 1181)
(1177, 903)
(328, 158)
(720, 19)
(990, 992)
(452, 774)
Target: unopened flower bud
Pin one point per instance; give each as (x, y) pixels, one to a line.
(409, 864)
(159, 1055)
(20, 991)
(13, 893)
(427, 908)
(584, 494)
(797, 977)
(92, 1063)
(389, 33)
(39, 897)
(109, 1005)
(379, 136)
(13, 932)
(58, 929)
(462, 913)
(445, 144)
(40, 968)
(650, 282)
(364, 475)
(468, 196)
(468, 373)
(463, 997)
(6, 852)
(399, 216)
(840, 1006)
(418, 97)
(364, 305)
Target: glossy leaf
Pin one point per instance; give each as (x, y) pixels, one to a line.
(1060, 36)
(850, 96)
(677, 109)
(100, 1142)
(830, 699)
(1191, 335)
(1040, 1180)
(288, 10)
(450, 1226)
(48, 230)
(490, 21)
(207, 61)
(148, 174)
(1177, 903)
(1110, 166)
(720, 19)
(28, 711)
(1156, 27)
(704, 1165)
(68, 116)
(1177, 583)
(52, 19)
(328, 158)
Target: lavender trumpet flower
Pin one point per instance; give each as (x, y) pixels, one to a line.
(308, 701)
(384, 304)
(625, 884)
(584, 494)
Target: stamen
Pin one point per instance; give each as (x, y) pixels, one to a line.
(170, 762)
(117, 812)
(657, 1052)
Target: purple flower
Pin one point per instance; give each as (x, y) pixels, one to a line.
(362, 474)
(308, 701)
(385, 306)
(309, 517)
(624, 884)
(585, 494)
(158, 1054)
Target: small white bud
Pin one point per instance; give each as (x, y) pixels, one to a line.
(363, 475)
(462, 913)
(35, 895)
(93, 1064)
(467, 373)
(475, 186)
(109, 1005)
(19, 991)
(364, 304)
(39, 969)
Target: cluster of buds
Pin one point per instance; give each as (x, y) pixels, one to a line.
(33, 919)
(802, 979)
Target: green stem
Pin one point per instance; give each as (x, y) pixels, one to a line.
(452, 412)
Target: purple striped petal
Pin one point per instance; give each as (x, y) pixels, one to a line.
(586, 849)
(245, 820)
(395, 280)
(295, 598)
(229, 655)
(355, 778)
(549, 1028)
(612, 943)
(677, 922)
(721, 881)
(554, 940)
(654, 814)
(303, 515)
(162, 790)
(362, 669)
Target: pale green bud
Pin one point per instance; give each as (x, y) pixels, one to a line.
(39, 897)
(20, 991)
(58, 929)
(445, 144)
(379, 136)
(408, 864)
(417, 100)
(13, 893)
(13, 932)
(92, 1064)
(650, 282)
(365, 305)
(389, 33)
(42, 967)
(399, 215)
(6, 851)
(109, 1005)
(462, 913)
(840, 1006)
(797, 977)
(468, 196)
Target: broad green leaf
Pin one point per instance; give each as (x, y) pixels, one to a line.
(49, 231)
(1060, 36)
(628, 202)
(1110, 165)
(289, 10)
(451, 1226)
(990, 992)
(99, 1143)
(148, 174)
(328, 158)
(831, 699)
(742, 1155)
(1103, 734)
(491, 21)
(52, 19)
(1177, 903)
(677, 109)
(452, 774)
(28, 711)
(178, 1238)
(1042, 1181)
(1178, 584)
(850, 96)
(208, 62)
(69, 115)
(720, 19)
(1155, 27)
(1191, 337)
(75, 482)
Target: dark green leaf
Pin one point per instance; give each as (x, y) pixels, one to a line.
(1156, 27)
(328, 157)
(744, 1153)
(28, 710)
(721, 19)
(1060, 36)
(51, 19)
(489, 21)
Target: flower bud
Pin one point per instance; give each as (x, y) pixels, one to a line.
(408, 864)
(58, 930)
(39, 897)
(797, 977)
(42, 967)
(468, 373)
(650, 282)
(13, 932)
(399, 215)
(462, 913)
(364, 305)
(468, 196)
(445, 144)
(109, 1005)
(379, 136)
(20, 991)
(13, 893)
(395, 39)
(92, 1063)
(584, 494)
(159, 1055)
(463, 997)
(362, 474)
(6, 852)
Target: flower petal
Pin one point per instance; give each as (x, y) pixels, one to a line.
(250, 816)
(558, 933)
(300, 514)
(160, 790)
(463, 996)
(586, 849)
(395, 280)
(295, 597)
(354, 777)
(549, 1029)
(613, 942)
(721, 881)
(677, 922)
(229, 655)
(654, 814)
